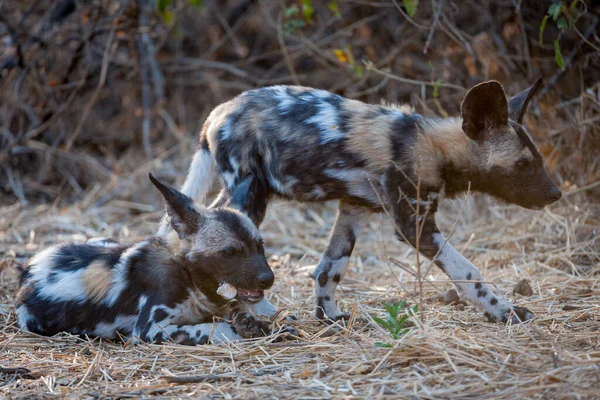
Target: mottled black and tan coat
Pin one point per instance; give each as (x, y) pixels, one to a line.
(157, 289)
(311, 145)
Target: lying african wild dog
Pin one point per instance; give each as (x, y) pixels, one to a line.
(311, 145)
(157, 289)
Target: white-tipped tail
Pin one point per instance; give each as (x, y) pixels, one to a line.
(200, 176)
(197, 183)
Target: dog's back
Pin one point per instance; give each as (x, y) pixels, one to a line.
(80, 288)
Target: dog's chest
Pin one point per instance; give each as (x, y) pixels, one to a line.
(196, 308)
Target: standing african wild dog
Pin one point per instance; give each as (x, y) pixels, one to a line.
(311, 145)
(157, 289)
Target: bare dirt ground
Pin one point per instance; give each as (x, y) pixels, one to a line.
(453, 353)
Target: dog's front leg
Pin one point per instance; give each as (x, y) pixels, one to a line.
(464, 275)
(157, 323)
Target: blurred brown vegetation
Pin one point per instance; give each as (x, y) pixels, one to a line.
(91, 90)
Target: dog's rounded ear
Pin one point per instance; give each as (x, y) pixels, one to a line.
(484, 107)
(517, 105)
(185, 217)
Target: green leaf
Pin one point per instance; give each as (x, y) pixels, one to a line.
(292, 24)
(555, 10)
(391, 309)
(436, 92)
(543, 28)
(290, 11)
(403, 320)
(196, 3)
(411, 6)
(335, 9)
(307, 9)
(358, 71)
(558, 56)
(573, 5)
(168, 17)
(162, 6)
(561, 23)
(381, 344)
(383, 323)
(396, 319)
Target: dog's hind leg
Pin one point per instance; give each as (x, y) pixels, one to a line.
(333, 263)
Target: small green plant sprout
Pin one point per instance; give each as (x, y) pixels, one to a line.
(564, 14)
(436, 84)
(411, 7)
(395, 320)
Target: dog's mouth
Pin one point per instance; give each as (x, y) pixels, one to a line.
(250, 295)
(230, 292)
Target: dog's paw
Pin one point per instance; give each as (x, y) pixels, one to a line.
(248, 326)
(330, 320)
(514, 314)
(285, 332)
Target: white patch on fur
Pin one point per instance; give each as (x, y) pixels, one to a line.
(285, 101)
(227, 291)
(119, 274)
(219, 332)
(327, 121)
(277, 184)
(40, 265)
(200, 176)
(108, 330)
(229, 178)
(102, 242)
(457, 267)
(316, 193)
(142, 302)
(358, 182)
(194, 308)
(24, 317)
(328, 290)
(234, 164)
(263, 307)
(323, 94)
(222, 333)
(227, 129)
(66, 286)
(455, 264)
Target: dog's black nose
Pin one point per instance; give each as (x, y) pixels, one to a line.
(266, 279)
(555, 194)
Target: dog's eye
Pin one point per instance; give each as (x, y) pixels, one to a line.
(523, 163)
(230, 251)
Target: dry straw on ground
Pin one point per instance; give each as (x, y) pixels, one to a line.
(454, 353)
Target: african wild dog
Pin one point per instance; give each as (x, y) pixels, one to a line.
(311, 145)
(157, 289)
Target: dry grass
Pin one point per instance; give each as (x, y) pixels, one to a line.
(454, 353)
